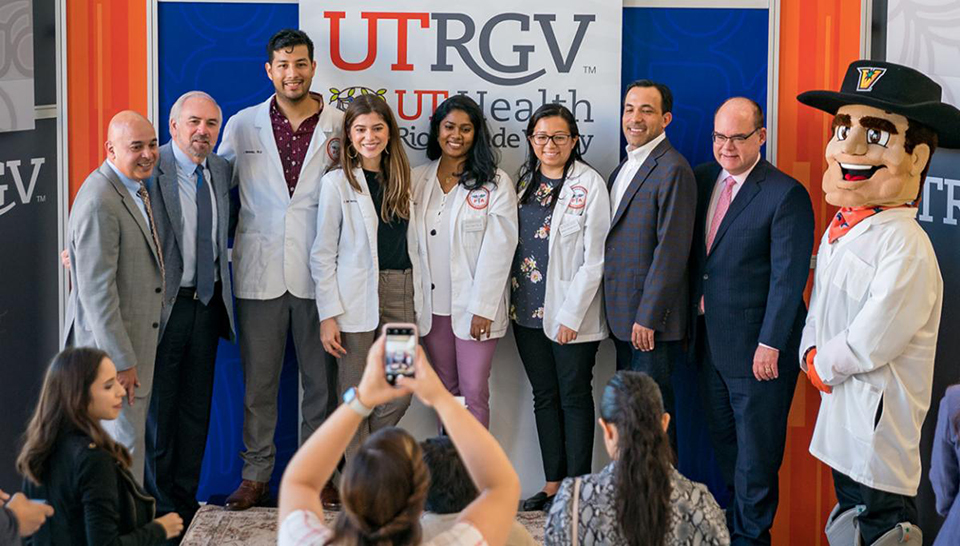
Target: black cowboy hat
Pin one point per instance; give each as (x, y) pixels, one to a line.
(895, 88)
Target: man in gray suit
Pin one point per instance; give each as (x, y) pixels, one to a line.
(117, 272)
(191, 203)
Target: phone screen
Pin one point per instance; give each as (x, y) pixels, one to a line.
(401, 347)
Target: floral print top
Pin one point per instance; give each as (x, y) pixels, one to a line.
(528, 279)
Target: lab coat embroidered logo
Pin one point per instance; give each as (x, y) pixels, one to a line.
(478, 198)
(333, 149)
(579, 198)
(869, 76)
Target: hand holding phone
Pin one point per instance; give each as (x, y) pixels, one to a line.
(400, 350)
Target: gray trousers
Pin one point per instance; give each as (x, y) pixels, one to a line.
(263, 326)
(396, 305)
(130, 427)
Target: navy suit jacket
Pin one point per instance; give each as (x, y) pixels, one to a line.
(753, 280)
(648, 246)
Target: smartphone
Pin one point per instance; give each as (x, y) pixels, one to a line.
(400, 349)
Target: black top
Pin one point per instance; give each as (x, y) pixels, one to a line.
(96, 501)
(391, 236)
(528, 283)
(9, 528)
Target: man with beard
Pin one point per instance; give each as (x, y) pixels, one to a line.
(191, 205)
(279, 150)
(117, 272)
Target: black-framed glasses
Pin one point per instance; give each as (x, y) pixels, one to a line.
(540, 139)
(721, 139)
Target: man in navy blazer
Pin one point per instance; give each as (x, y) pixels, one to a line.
(653, 201)
(750, 262)
(192, 206)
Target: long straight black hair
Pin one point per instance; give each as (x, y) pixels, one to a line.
(530, 170)
(642, 481)
(482, 158)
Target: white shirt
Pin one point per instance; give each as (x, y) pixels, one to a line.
(187, 182)
(304, 528)
(635, 159)
(718, 189)
(438, 248)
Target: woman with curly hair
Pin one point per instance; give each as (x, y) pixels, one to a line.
(384, 486)
(639, 498)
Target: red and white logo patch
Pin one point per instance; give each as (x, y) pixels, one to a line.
(579, 198)
(333, 149)
(479, 198)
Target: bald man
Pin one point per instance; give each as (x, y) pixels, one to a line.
(750, 260)
(117, 272)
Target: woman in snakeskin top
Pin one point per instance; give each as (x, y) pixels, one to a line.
(639, 498)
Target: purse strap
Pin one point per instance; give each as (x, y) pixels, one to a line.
(576, 511)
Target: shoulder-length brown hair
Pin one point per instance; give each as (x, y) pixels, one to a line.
(394, 166)
(64, 405)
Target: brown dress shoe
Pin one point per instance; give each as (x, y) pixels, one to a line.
(330, 497)
(249, 494)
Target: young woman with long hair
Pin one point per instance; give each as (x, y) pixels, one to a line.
(365, 259)
(556, 304)
(71, 462)
(639, 498)
(384, 485)
(468, 224)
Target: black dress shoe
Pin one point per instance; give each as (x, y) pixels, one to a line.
(537, 502)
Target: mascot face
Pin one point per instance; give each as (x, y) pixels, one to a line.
(867, 162)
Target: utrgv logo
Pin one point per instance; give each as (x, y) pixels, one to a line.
(490, 64)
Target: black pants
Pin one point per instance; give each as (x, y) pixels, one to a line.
(562, 380)
(180, 407)
(748, 429)
(884, 510)
(658, 364)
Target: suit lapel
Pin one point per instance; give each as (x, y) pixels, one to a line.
(269, 143)
(638, 179)
(132, 207)
(170, 190)
(750, 189)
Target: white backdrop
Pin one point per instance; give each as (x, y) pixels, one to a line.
(510, 58)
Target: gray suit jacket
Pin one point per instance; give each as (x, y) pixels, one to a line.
(116, 300)
(165, 196)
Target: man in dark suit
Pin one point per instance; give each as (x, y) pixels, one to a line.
(191, 201)
(750, 263)
(653, 201)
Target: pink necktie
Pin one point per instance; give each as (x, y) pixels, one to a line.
(726, 196)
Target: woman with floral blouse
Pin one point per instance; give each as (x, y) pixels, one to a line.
(556, 299)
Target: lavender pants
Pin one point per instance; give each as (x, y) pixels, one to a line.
(463, 365)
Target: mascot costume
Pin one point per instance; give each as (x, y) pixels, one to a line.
(871, 333)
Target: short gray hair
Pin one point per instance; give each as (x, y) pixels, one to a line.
(177, 106)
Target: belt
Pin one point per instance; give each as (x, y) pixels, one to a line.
(190, 292)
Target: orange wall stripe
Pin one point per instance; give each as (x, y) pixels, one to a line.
(818, 39)
(106, 73)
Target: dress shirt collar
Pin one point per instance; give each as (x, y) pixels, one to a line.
(129, 183)
(184, 163)
(740, 178)
(639, 155)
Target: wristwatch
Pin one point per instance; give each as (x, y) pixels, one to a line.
(352, 399)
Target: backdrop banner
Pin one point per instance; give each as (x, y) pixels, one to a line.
(510, 58)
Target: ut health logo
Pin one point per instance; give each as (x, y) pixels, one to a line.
(513, 71)
(24, 191)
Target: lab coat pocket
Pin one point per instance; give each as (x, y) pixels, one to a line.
(854, 276)
(571, 224)
(352, 284)
(859, 401)
(471, 230)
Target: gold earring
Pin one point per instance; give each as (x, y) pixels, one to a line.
(353, 155)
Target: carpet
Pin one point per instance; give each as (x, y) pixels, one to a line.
(214, 526)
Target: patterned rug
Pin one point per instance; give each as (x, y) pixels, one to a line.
(258, 526)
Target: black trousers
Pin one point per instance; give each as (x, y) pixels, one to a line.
(180, 407)
(748, 429)
(883, 510)
(658, 364)
(562, 381)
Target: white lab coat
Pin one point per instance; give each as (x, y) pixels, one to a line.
(344, 260)
(874, 316)
(271, 252)
(578, 229)
(483, 238)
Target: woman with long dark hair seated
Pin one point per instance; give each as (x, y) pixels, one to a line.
(639, 498)
(71, 462)
(384, 486)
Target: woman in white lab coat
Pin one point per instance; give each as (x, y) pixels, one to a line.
(364, 260)
(467, 231)
(556, 299)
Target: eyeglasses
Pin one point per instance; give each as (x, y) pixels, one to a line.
(540, 139)
(722, 139)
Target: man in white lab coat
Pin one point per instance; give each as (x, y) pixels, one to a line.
(279, 149)
(871, 333)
